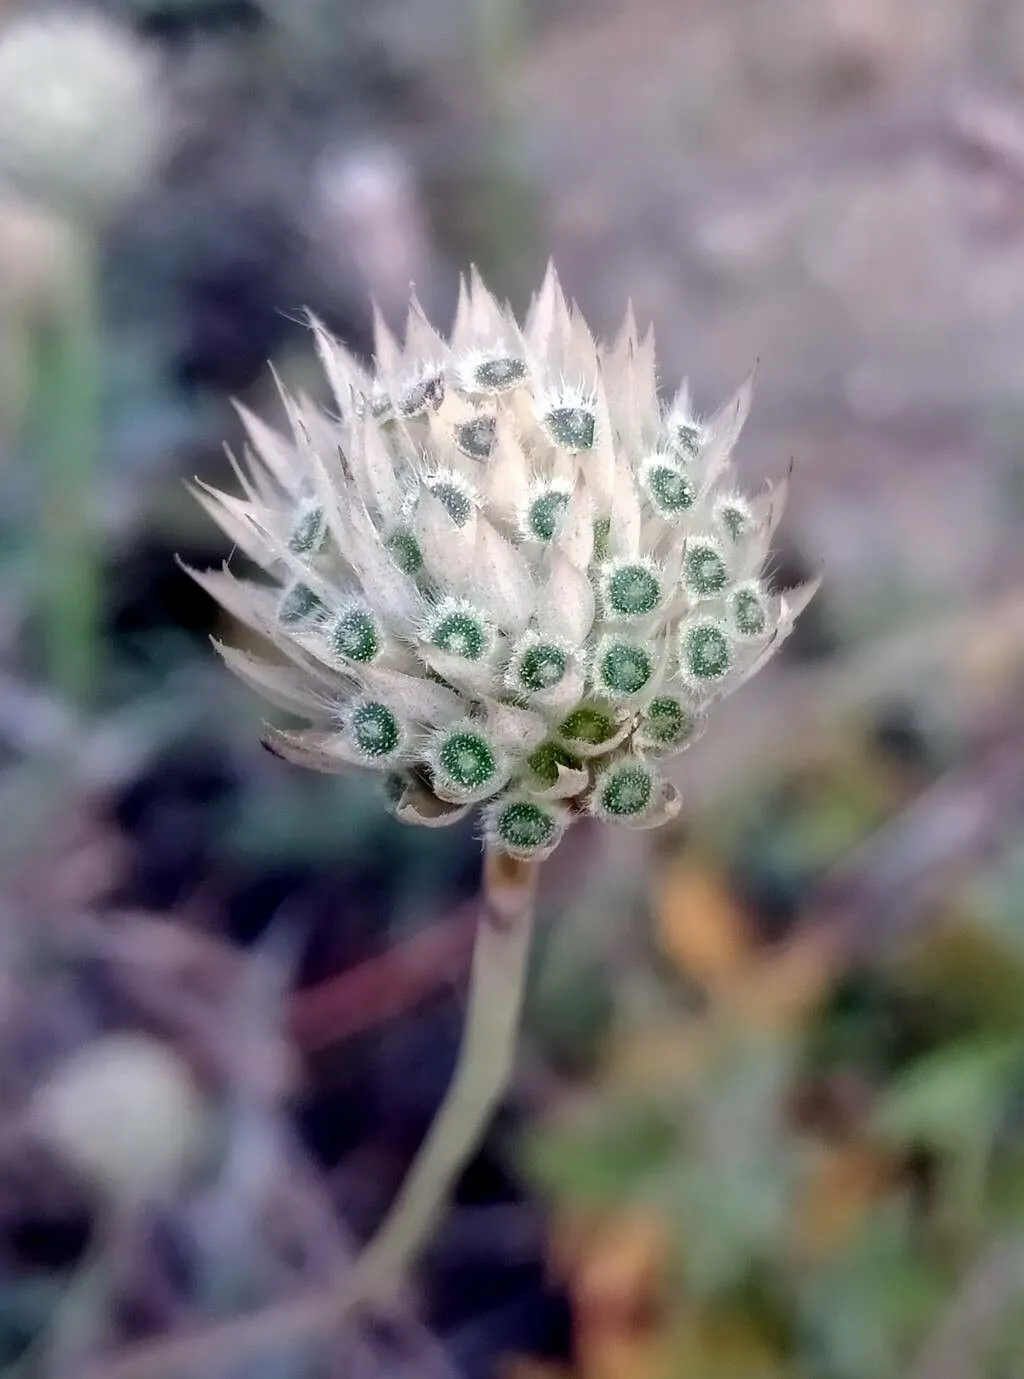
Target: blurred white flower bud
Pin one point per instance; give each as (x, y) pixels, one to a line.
(365, 204)
(81, 114)
(125, 1113)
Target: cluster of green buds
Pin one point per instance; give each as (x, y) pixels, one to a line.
(502, 573)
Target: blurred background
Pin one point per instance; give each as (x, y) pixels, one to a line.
(769, 1116)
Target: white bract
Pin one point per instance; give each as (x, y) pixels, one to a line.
(501, 570)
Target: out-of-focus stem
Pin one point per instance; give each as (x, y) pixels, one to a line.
(67, 431)
(485, 1061)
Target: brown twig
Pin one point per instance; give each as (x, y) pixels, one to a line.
(409, 973)
(384, 987)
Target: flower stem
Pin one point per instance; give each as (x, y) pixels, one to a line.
(485, 1062)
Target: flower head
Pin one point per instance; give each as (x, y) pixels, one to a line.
(503, 573)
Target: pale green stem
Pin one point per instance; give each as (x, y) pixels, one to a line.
(82, 1314)
(67, 430)
(485, 1060)
(485, 1063)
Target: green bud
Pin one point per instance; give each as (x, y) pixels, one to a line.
(426, 395)
(705, 656)
(309, 534)
(459, 631)
(356, 636)
(375, 731)
(622, 668)
(523, 827)
(669, 489)
(590, 725)
(543, 763)
(466, 764)
(498, 374)
(454, 496)
(476, 438)
(542, 666)
(630, 589)
(405, 551)
(625, 791)
(572, 428)
(666, 725)
(705, 572)
(748, 612)
(545, 513)
(733, 516)
(536, 665)
(686, 439)
(299, 605)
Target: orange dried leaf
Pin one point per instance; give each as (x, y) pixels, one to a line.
(618, 1282)
(671, 1055)
(842, 1188)
(788, 984)
(701, 929)
(626, 1355)
(570, 1240)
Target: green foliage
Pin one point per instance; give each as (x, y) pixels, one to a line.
(951, 1097)
(952, 1102)
(570, 1000)
(67, 440)
(611, 1154)
(825, 1182)
(1004, 1358)
(730, 1190)
(26, 1306)
(861, 1313)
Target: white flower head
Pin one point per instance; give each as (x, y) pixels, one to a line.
(81, 113)
(507, 575)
